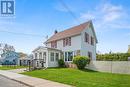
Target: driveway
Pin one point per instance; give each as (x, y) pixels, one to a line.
(4, 82)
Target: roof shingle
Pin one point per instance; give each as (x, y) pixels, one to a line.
(69, 32)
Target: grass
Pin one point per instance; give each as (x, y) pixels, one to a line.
(84, 78)
(11, 67)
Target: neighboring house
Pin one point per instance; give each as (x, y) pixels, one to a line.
(4, 48)
(10, 58)
(78, 40)
(24, 60)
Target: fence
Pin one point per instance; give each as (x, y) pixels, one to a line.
(122, 67)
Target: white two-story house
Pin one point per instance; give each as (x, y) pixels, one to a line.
(78, 40)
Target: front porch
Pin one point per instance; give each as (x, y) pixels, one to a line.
(46, 57)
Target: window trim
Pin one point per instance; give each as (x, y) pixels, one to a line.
(51, 56)
(67, 41)
(36, 56)
(91, 55)
(66, 56)
(56, 58)
(86, 37)
(92, 40)
(40, 55)
(54, 44)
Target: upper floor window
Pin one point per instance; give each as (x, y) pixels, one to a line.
(92, 40)
(67, 41)
(54, 44)
(86, 37)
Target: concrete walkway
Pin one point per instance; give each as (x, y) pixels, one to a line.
(31, 81)
(18, 70)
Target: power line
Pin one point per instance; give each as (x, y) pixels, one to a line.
(71, 13)
(16, 33)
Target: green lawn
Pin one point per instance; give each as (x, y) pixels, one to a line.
(11, 67)
(84, 78)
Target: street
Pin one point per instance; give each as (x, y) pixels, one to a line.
(5, 82)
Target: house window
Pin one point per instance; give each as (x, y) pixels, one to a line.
(92, 40)
(52, 56)
(57, 56)
(40, 55)
(54, 44)
(86, 37)
(65, 56)
(90, 55)
(68, 56)
(67, 41)
(44, 56)
(35, 55)
(37, 64)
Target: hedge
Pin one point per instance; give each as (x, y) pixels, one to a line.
(113, 57)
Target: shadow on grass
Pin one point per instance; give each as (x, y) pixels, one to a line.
(88, 70)
(84, 70)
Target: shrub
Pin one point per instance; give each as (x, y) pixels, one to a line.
(81, 61)
(61, 62)
(113, 57)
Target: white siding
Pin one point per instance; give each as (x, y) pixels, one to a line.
(78, 43)
(42, 50)
(52, 63)
(48, 63)
(75, 44)
(85, 47)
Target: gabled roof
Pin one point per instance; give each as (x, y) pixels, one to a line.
(76, 30)
(46, 48)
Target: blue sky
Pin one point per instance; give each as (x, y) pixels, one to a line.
(41, 17)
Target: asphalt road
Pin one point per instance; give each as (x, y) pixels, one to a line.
(5, 82)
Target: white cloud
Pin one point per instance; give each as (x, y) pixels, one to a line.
(87, 16)
(107, 15)
(111, 12)
(106, 12)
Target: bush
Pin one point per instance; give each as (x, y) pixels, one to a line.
(81, 61)
(113, 57)
(61, 62)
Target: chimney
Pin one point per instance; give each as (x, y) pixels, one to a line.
(55, 32)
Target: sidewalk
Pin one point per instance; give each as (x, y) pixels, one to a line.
(17, 70)
(31, 81)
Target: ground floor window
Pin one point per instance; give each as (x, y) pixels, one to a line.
(35, 55)
(52, 56)
(90, 55)
(44, 56)
(40, 55)
(68, 56)
(65, 56)
(57, 56)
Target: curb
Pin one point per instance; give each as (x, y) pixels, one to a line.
(18, 81)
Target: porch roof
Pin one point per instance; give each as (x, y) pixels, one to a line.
(45, 48)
